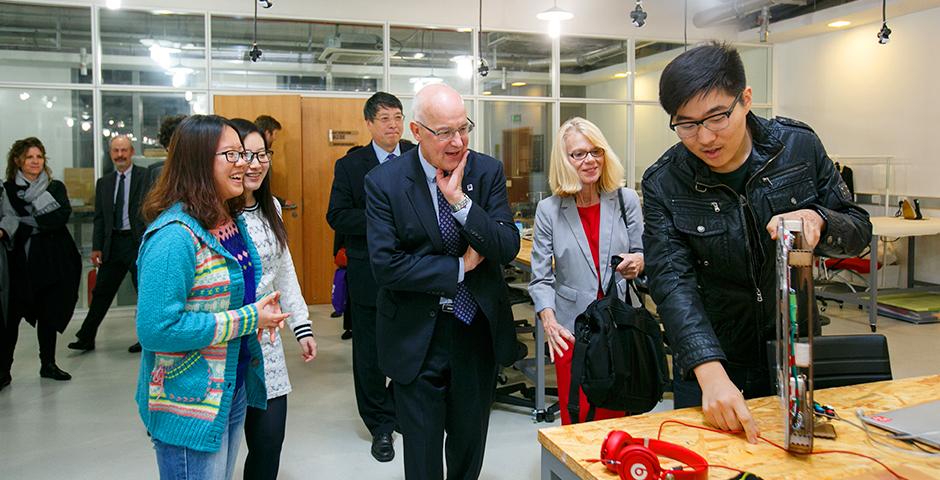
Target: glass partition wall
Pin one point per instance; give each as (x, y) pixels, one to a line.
(78, 76)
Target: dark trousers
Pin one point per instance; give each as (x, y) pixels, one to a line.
(452, 394)
(121, 259)
(46, 333)
(264, 435)
(374, 398)
(753, 383)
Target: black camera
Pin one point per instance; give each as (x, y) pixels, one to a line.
(265, 3)
(638, 16)
(255, 53)
(883, 34)
(484, 69)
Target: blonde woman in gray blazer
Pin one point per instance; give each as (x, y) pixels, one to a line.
(576, 232)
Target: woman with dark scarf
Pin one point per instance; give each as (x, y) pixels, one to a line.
(45, 266)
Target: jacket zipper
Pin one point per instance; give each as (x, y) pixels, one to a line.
(746, 211)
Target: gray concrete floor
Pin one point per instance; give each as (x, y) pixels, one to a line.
(88, 428)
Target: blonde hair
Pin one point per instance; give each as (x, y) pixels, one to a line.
(562, 176)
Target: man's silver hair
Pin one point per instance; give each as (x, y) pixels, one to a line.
(112, 139)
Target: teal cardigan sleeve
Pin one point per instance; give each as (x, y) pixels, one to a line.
(167, 270)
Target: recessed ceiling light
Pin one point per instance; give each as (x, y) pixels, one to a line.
(840, 23)
(518, 84)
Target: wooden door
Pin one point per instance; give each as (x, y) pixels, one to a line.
(330, 127)
(286, 168)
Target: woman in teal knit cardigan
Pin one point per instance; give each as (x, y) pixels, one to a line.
(197, 315)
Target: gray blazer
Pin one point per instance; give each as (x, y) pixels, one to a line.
(570, 285)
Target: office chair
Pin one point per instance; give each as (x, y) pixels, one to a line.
(841, 360)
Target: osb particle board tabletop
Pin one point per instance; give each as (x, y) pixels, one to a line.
(573, 444)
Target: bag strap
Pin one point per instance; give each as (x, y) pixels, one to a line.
(574, 392)
(623, 216)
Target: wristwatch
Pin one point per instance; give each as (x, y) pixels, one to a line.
(456, 207)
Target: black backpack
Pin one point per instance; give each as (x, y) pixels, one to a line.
(619, 360)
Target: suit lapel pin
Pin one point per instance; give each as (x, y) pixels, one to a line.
(469, 187)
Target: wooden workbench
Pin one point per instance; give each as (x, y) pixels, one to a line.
(565, 448)
(524, 257)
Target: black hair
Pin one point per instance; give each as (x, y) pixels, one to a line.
(267, 123)
(167, 127)
(263, 194)
(377, 102)
(700, 71)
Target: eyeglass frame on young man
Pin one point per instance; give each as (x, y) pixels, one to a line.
(248, 157)
(443, 135)
(581, 155)
(711, 118)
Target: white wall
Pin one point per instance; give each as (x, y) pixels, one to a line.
(863, 98)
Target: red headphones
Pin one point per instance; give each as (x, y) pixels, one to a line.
(636, 458)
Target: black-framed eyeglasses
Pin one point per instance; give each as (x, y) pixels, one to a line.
(580, 155)
(233, 156)
(715, 123)
(446, 134)
(263, 156)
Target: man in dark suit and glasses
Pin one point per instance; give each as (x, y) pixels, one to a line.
(440, 230)
(347, 215)
(116, 238)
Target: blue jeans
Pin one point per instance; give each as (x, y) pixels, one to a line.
(181, 463)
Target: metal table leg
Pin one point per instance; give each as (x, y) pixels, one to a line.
(910, 262)
(873, 288)
(553, 469)
(539, 368)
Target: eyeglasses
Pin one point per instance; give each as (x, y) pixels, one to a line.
(580, 155)
(715, 123)
(446, 134)
(233, 156)
(263, 156)
(386, 119)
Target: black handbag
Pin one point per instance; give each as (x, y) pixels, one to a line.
(619, 360)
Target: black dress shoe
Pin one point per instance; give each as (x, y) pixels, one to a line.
(346, 335)
(5, 381)
(51, 370)
(135, 348)
(83, 345)
(382, 448)
(336, 315)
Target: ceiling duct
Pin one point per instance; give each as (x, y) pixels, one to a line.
(589, 58)
(352, 48)
(735, 10)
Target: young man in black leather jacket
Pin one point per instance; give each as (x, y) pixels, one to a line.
(711, 206)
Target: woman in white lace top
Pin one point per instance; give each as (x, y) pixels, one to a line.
(264, 429)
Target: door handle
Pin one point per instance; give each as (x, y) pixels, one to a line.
(289, 205)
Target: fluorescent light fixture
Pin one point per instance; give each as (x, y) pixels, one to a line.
(840, 23)
(465, 30)
(162, 12)
(487, 92)
(518, 84)
(621, 74)
(418, 55)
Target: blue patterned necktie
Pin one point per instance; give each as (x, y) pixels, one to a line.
(391, 156)
(465, 308)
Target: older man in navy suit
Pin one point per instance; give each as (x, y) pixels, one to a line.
(440, 230)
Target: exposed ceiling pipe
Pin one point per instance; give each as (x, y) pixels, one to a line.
(589, 58)
(736, 9)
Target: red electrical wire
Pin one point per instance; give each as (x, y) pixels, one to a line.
(817, 452)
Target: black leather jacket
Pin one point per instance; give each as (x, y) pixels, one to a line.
(709, 257)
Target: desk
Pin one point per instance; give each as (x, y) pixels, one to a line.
(565, 448)
(888, 227)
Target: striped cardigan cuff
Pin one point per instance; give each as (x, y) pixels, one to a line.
(233, 324)
(303, 331)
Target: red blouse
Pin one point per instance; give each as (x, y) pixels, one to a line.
(591, 222)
